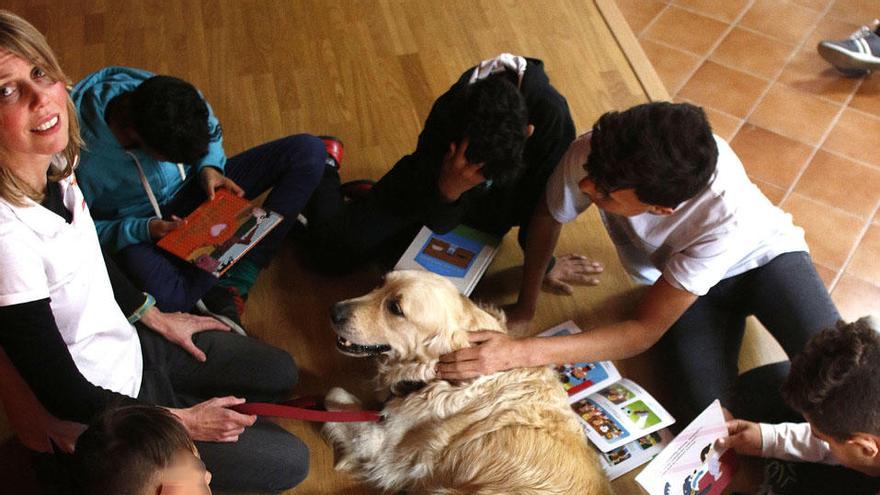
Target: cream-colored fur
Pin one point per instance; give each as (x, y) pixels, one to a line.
(506, 433)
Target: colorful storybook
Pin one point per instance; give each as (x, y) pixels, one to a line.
(461, 255)
(219, 232)
(691, 464)
(623, 421)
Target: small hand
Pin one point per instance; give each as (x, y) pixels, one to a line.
(211, 179)
(179, 328)
(494, 351)
(457, 175)
(745, 437)
(571, 269)
(213, 421)
(160, 228)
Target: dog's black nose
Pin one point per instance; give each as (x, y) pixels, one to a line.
(339, 312)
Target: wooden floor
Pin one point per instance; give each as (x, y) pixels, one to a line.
(366, 71)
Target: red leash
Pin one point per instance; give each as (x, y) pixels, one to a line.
(306, 409)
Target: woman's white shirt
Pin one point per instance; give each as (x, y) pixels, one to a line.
(42, 256)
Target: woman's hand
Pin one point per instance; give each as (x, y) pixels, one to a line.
(494, 351)
(213, 421)
(211, 179)
(179, 328)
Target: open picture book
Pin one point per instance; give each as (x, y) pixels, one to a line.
(622, 420)
(461, 255)
(691, 463)
(219, 232)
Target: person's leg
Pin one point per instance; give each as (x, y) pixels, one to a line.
(266, 458)
(291, 167)
(343, 235)
(790, 300)
(175, 284)
(702, 348)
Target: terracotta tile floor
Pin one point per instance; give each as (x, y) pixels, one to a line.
(809, 138)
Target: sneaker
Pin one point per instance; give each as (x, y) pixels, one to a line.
(335, 149)
(855, 56)
(356, 190)
(224, 304)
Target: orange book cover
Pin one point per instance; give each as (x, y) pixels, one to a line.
(219, 232)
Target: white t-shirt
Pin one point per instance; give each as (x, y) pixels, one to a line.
(727, 229)
(43, 256)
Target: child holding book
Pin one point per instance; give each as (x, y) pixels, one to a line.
(834, 384)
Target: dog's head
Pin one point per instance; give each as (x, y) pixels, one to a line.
(413, 316)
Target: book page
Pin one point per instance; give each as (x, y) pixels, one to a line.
(581, 379)
(690, 463)
(219, 232)
(624, 459)
(461, 255)
(621, 413)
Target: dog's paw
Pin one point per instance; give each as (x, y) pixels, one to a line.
(337, 399)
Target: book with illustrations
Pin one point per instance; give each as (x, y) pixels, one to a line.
(219, 232)
(622, 420)
(691, 463)
(461, 255)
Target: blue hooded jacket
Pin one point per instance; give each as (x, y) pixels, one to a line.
(108, 175)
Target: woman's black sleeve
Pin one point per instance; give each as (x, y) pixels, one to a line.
(30, 337)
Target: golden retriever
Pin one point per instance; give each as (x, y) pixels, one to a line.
(510, 432)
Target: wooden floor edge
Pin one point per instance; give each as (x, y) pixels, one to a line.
(632, 50)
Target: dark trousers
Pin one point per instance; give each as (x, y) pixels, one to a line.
(344, 235)
(266, 458)
(787, 297)
(291, 167)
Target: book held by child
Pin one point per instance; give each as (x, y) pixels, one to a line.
(691, 463)
(622, 420)
(219, 232)
(461, 255)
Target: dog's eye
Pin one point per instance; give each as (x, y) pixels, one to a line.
(394, 307)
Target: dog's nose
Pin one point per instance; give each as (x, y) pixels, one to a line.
(339, 312)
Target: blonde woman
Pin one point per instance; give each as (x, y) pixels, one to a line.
(59, 322)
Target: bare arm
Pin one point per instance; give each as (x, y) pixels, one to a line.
(661, 306)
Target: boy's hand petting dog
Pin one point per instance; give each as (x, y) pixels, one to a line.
(457, 175)
(494, 351)
(745, 437)
(572, 269)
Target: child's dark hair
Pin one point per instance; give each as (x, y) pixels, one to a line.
(664, 151)
(125, 447)
(171, 117)
(492, 114)
(834, 381)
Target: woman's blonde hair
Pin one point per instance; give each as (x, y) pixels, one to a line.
(19, 37)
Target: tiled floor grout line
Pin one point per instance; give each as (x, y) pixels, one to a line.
(853, 249)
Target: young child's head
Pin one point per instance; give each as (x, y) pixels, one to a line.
(835, 384)
(138, 450)
(649, 158)
(170, 117)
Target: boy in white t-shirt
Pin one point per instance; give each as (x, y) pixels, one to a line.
(834, 384)
(686, 220)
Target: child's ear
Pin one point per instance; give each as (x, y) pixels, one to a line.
(868, 445)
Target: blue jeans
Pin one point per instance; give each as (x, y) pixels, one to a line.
(787, 297)
(291, 167)
(266, 457)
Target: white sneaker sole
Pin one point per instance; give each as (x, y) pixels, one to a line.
(845, 59)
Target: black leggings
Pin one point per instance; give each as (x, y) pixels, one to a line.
(787, 297)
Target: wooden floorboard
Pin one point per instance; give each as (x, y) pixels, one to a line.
(368, 72)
